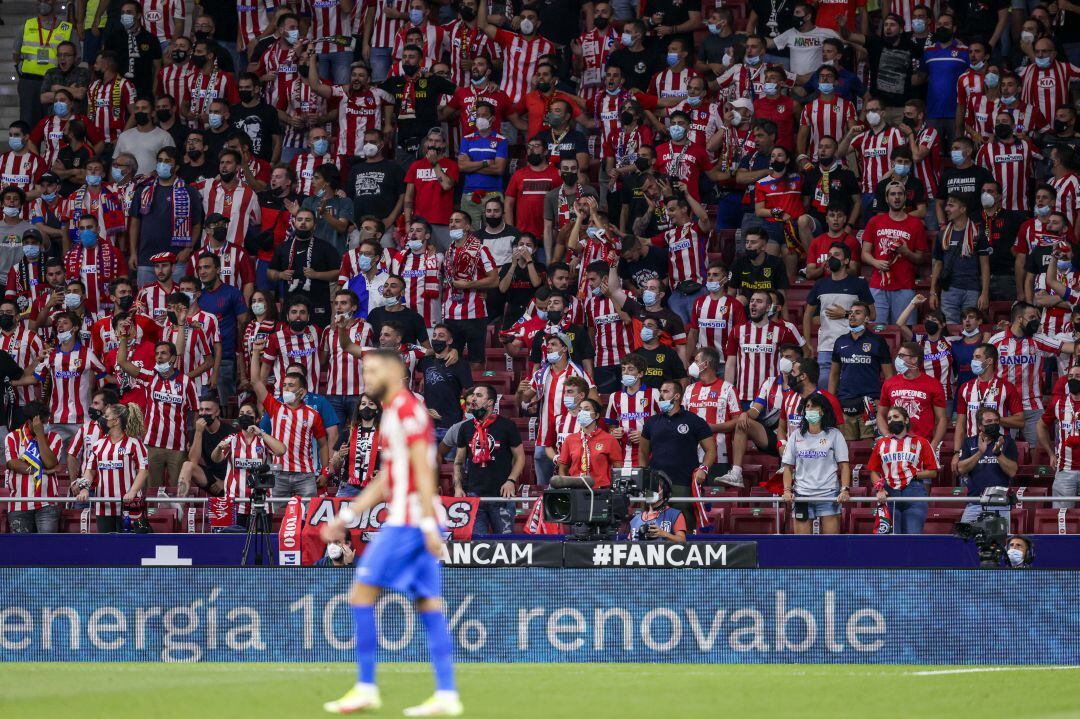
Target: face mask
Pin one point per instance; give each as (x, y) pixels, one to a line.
(957, 157)
(1042, 211)
(535, 158)
(694, 370)
(195, 154)
(714, 28)
(298, 325)
(1043, 62)
(304, 234)
(873, 118)
(125, 303)
(971, 333)
(364, 263)
(585, 418)
(553, 357)
(456, 234)
(597, 292)
(896, 426)
(900, 365)
(1074, 386)
(649, 298)
(60, 108)
(569, 178)
(65, 337)
(777, 165)
(215, 120)
(246, 95)
(931, 327)
(569, 402)
(1016, 557)
(856, 329)
(1027, 37)
(752, 254)
(416, 16)
(116, 174)
(291, 36)
(171, 317)
(1064, 265)
(88, 238)
(901, 170)
(677, 132)
(752, 61)
(93, 180)
(992, 79)
(1002, 131)
(1031, 328)
(642, 164)
(736, 118)
(416, 246)
(771, 88)
(1007, 100)
(164, 170)
(410, 69)
(493, 221)
(7, 322)
(665, 405)
(977, 367)
(600, 23)
(16, 143)
(49, 196)
(163, 367)
(259, 308)
(629, 380)
(391, 301)
(527, 26)
(1060, 127)
(626, 39)
(647, 334)
(334, 552)
(672, 59)
(555, 316)
(483, 124)
(439, 346)
(978, 65)
(288, 397)
(31, 252)
(11, 211)
(812, 416)
(366, 413)
(826, 88)
(199, 60)
(835, 264)
(713, 286)
(370, 149)
(918, 25)
(467, 14)
(127, 20)
(103, 423)
(693, 101)
(943, 35)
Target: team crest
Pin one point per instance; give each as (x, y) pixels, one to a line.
(599, 447)
(766, 271)
(865, 346)
(683, 428)
(659, 357)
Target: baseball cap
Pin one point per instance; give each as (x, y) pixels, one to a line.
(161, 257)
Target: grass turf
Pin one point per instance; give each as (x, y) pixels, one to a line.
(543, 691)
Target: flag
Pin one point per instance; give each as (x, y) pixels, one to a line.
(31, 454)
(535, 523)
(701, 510)
(883, 519)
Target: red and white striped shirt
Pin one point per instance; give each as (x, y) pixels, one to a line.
(519, 64)
(103, 338)
(22, 171)
(385, 28)
(875, 149)
(245, 453)
(630, 411)
(304, 166)
(1021, 360)
(1048, 89)
(152, 299)
(742, 81)
(431, 46)
(405, 422)
(253, 19)
(286, 346)
(671, 83)
(296, 428)
(71, 376)
(202, 89)
(84, 440)
(715, 403)
(827, 118)
(612, 333)
(898, 459)
(96, 266)
(170, 401)
(1068, 196)
(997, 394)
(938, 362)
(197, 347)
(686, 253)
(240, 205)
(928, 169)
(1012, 164)
(343, 371)
(174, 80)
(30, 485)
(421, 275)
(298, 100)
(968, 84)
(357, 113)
(117, 464)
(463, 44)
(755, 348)
(468, 304)
(548, 385)
(256, 331)
(160, 18)
(237, 267)
(705, 121)
(328, 21)
(596, 48)
(48, 135)
(109, 105)
(279, 60)
(770, 399)
(715, 319)
(23, 346)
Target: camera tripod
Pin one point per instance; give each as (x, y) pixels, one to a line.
(258, 531)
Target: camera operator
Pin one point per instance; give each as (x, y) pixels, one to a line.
(338, 554)
(659, 521)
(489, 461)
(591, 451)
(245, 450)
(1020, 552)
(989, 459)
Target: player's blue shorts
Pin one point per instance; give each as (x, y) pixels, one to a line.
(396, 558)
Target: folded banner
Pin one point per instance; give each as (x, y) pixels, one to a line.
(503, 554)
(460, 519)
(660, 555)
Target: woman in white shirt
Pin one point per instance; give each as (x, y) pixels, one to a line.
(816, 468)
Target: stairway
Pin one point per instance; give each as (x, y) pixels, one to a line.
(15, 13)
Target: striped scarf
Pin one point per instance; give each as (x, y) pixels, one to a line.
(181, 208)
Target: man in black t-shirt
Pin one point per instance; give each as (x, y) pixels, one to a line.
(376, 185)
(256, 119)
(638, 63)
(582, 351)
(670, 15)
(416, 98)
(443, 383)
(489, 462)
(414, 331)
(642, 261)
(200, 468)
(963, 177)
(662, 363)
(756, 270)
(305, 252)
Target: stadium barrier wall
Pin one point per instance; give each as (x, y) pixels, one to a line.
(549, 615)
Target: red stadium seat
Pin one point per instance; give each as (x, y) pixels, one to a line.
(71, 521)
(859, 520)
(743, 520)
(1023, 493)
(1021, 520)
(1056, 521)
(500, 380)
(942, 521)
(163, 521)
(946, 492)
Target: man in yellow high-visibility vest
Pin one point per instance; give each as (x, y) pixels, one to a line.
(35, 53)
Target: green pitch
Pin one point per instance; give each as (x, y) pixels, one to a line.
(543, 691)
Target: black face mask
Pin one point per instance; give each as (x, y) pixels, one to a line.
(171, 316)
(208, 418)
(910, 122)
(777, 166)
(219, 233)
(752, 254)
(125, 303)
(103, 424)
(246, 95)
(479, 413)
(1074, 386)
(569, 178)
(303, 234)
(439, 346)
(627, 118)
(943, 35)
(298, 325)
(245, 421)
(179, 55)
(163, 115)
(931, 327)
(366, 413)
(195, 155)
(642, 164)
(993, 431)
(493, 221)
(1060, 127)
(228, 177)
(410, 69)
(535, 159)
(555, 317)
(543, 86)
(825, 161)
(835, 264)
(1003, 131)
(793, 383)
(467, 14)
(142, 118)
(897, 426)
(94, 414)
(199, 61)
(1031, 328)
(201, 35)
(7, 322)
(600, 23)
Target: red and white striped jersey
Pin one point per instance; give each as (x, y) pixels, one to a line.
(827, 118)
(108, 105)
(520, 61)
(715, 403)
(23, 345)
(22, 171)
(705, 121)
(279, 60)
(898, 459)
(88, 434)
(630, 411)
(998, 394)
(384, 28)
(1012, 164)
(979, 113)
(174, 80)
(1021, 360)
(671, 83)
(296, 428)
(714, 320)
(548, 385)
(1048, 89)
(256, 331)
(26, 280)
(421, 275)
(565, 426)
(343, 371)
(875, 149)
(237, 267)
(612, 334)
(686, 253)
(755, 349)
(469, 304)
(938, 362)
(151, 301)
(357, 113)
(103, 338)
(463, 44)
(742, 81)
(240, 205)
(164, 19)
(203, 89)
(1057, 319)
(1065, 412)
(299, 100)
(286, 346)
(169, 402)
(969, 83)
(905, 9)
(29, 485)
(328, 21)
(48, 135)
(1068, 196)
(208, 323)
(596, 48)
(405, 422)
(928, 169)
(71, 377)
(117, 464)
(245, 453)
(253, 19)
(96, 267)
(197, 348)
(304, 166)
(770, 400)
(431, 45)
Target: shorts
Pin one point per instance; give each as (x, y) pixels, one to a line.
(770, 432)
(396, 558)
(470, 337)
(805, 511)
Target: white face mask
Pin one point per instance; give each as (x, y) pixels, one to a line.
(694, 370)
(585, 418)
(527, 26)
(163, 367)
(258, 308)
(370, 149)
(784, 365)
(288, 397)
(483, 124)
(64, 337)
(900, 365)
(874, 118)
(334, 551)
(1016, 556)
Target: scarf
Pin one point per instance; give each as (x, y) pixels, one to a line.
(480, 446)
(197, 101)
(967, 242)
(300, 282)
(31, 454)
(357, 460)
(181, 209)
(462, 261)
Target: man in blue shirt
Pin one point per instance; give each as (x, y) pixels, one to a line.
(945, 61)
(848, 84)
(989, 459)
(227, 304)
(482, 159)
(861, 362)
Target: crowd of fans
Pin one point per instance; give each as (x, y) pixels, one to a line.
(608, 234)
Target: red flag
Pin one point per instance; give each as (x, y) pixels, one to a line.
(535, 523)
(701, 510)
(883, 519)
(292, 525)
(221, 512)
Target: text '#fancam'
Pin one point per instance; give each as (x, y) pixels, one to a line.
(535, 614)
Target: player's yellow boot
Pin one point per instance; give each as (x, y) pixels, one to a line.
(441, 704)
(360, 698)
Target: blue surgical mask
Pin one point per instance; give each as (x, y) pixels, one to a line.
(127, 20)
(49, 196)
(597, 291)
(60, 108)
(542, 314)
(693, 101)
(677, 132)
(416, 16)
(901, 170)
(553, 357)
(569, 402)
(585, 418)
(826, 87)
(72, 300)
(713, 286)
(752, 61)
(416, 246)
(88, 238)
(1042, 211)
(1008, 99)
(12, 212)
(957, 157)
(626, 39)
(116, 174)
(390, 301)
(164, 170)
(31, 252)
(613, 91)
(647, 334)
(1064, 265)
(978, 65)
(16, 143)
(992, 79)
(648, 298)
(665, 405)
(672, 59)
(977, 367)
(629, 380)
(714, 28)
(215, 119)
(856, 329)
(93, 180)
(291, 36)
(321, 146)
(456, 234)
(770, 88)
(593, 232)
(364, 263)
(918, 25)
(1043, 62)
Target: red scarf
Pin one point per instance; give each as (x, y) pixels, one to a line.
(372, 454)
(481, 444)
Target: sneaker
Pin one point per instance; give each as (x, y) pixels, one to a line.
(733, 478)
(359, 698)
(438, 705)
